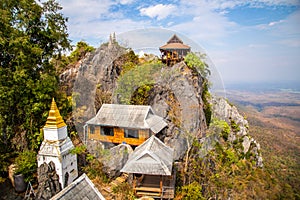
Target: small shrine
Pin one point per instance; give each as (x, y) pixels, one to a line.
(174, 51)
(56, 147)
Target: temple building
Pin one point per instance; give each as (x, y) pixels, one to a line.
(174, 51)
(131, 124)
(56, 147)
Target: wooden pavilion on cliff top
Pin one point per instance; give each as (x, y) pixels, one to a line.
(151, 164)
(174, 51)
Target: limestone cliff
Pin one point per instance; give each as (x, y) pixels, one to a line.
(176, 95)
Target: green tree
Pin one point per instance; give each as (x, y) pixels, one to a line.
(31, 34)
(82, 48)
(196, 63)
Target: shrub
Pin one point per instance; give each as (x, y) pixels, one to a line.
(95, 170)
(26, 164)
(195, 63)
(142, 76)
(235, 127)
(124, 191)
(223, 125)
(192, 191)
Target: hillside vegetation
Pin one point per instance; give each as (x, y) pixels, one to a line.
(276, 127)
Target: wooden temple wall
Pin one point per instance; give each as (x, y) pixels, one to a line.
(119, 136)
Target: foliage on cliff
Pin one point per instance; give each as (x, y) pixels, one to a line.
(135, 83)
(224, 172)
(62, 62)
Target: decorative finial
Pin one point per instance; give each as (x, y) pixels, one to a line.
(54, 119)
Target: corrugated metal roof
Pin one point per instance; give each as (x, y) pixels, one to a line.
(129, 116)
(81, 188)
(152, 157)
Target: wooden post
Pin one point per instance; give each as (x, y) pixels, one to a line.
(134, 184)
(161, 184)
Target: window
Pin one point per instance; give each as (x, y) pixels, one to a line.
(131, 133)
(92, 129)
(109, 131)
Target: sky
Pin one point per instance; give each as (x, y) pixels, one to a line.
(246, 40)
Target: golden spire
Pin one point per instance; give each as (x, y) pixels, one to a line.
(54, 119)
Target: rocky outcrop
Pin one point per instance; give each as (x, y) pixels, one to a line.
(97, 70)
(176, 97)
(222, 110)
(48, 181)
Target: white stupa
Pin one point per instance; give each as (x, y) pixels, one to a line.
(56, 147)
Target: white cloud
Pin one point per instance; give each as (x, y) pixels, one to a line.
(102, 29)
(158, 11)
(79, 11)
(285, 31)
(125, 2)
(257, 46)
(278, 2)
(275, 22)
(206, 25)
(230, 4)
(290, 42)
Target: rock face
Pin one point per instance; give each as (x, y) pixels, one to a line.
(176, 97)
(98, 69)
(222, 110)
(116, 158)
(67, 78)
(48, 181)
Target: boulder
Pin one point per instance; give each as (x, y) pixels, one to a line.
(94, 147)
(176, 94)
(115, 159)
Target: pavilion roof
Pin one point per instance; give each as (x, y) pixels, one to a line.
(153, 157)
(174, 43)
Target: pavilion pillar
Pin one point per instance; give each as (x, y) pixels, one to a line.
(161, 184)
